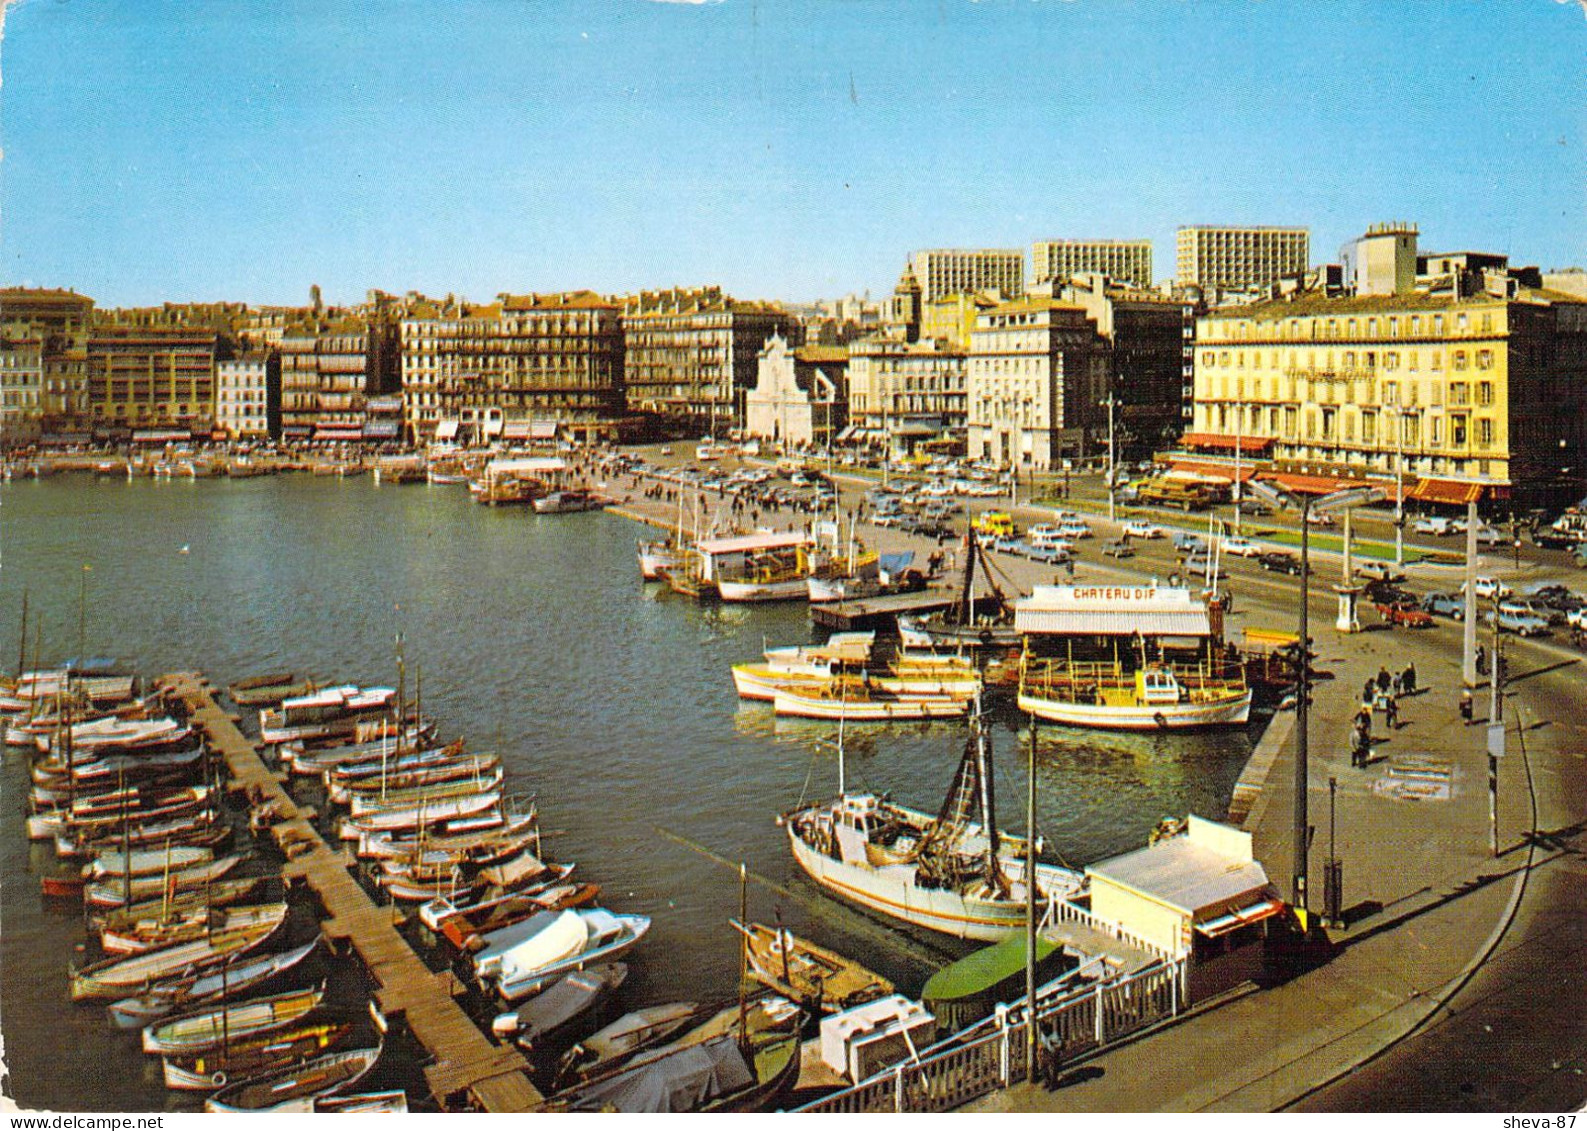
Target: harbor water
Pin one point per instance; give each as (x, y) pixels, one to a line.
(531, 636)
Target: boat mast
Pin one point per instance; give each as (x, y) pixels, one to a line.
(965, 599)
(983, 771)
(22, 647)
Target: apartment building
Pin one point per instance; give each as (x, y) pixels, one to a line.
(941, 272)
(43, 361)
(903, 393)
(1461, 395)
(1036, 376)
(248, 396)
(1129, 262)
(148, 375)
(330, 367)
(692, 354)
(547, 359)
(1237, 259)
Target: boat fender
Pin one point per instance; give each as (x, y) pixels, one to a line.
(505, 1024)
(218, 1078)
(1160, 720)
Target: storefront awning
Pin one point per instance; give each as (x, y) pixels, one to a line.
(1454, 491)
(161, 436)
(1312, 484)
(1256, 446)
(338, 431)
(543, 430)
(1213, 470)
(516, 430)
(380, 430)
(1240, 917)
(446, 430)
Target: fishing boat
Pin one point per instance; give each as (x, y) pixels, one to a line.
(856, 702)
(1128, 657)
(945, 873)
(527, 956)
(122, 890)
(118, 974)
(297, 1088)
(483, 770)
(143, 862)
(629, 1035)
(270, 689)
(741, 1061)
(968, 625)
(657, 557)
(366, 802)
(345, 774)
(201, 828)
(242, 1058)
(544, 1020)
(193, 1033)
(326, 713)
(822, 980)
(468, 933)
(228, 980)
(193, 925)
(418, 816)
(388, 744)
(124, 735)
(88, 816)
(453, 836)
(98, 772)
(569, 502)
(476, 908)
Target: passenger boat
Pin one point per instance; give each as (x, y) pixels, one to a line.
(118, 974)
(542, 1022)
(742, 1061)
(193, 1033)
(945, 873)
(121, 890)
(813, 667)
(1128, 658)
(820, 979)
(297, 1088)
(194, 925)
(227, 980)
(569, 502)
(529, 955)
(326, 713)
(747, 567)
(515, 481)
(849, 699)
(242, 1058)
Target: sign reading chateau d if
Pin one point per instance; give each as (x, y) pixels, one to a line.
(1114, 593)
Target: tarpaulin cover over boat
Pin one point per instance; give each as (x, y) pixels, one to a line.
(979, 972)
(684, 1081)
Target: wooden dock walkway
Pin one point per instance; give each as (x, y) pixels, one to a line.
(468, 1069)
(880, 612)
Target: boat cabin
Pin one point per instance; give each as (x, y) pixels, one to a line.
(1200, 894)
(746, 555)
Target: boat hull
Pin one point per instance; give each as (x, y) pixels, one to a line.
(1228, 711)
(792, 705)
(757, 591)
(762, 681)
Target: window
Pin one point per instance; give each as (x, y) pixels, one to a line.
(1350, 360)
(1459, 393)
(1391, 393)
(1458, 360)
(1438, 325)
(1484, 359)
(1328, 423)
(1462, 322)
(1484, 432)
(1351, 328)
(1438, 360)
(1457, 431)
(1416, 324)
(1394, 327)
(1485, 393)
(1391, 360)
(1411, 360)
(1349, 429)
(1369, 427)
(1372, 327)
(1436, 431)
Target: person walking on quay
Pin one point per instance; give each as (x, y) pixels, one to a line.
(1361, 738)
(1369, 694)
(1391, 713)
(1408, 679)
(1482, 660)
(1465, 705)
(1384, 680)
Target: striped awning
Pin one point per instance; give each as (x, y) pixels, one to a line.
(1214, 441)
(1311, 484)
(1455, 491)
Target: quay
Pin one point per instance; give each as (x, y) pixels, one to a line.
(466, 1068)
(879, 612)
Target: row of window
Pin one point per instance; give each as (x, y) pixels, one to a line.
(1320, 329)
(1352, 363)
(1333, 424)
(1322, 391)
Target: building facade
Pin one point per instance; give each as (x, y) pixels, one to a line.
(941, 272)
(1214, 258)
(1036, 376)
(43, 362)
(521, 361)
(248, 396)
(329, 370)
(800, 398)
(903, 393)
(152, 376)
(1127, 261)
(691, 355)
(1450, 395)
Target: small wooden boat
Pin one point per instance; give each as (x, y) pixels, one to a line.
(201, 829)
(269, 690)
(116, 892)
(193, 925)
(296, 1089)
(630, 1034)
(304, 758)
(437, 912)
(394, 1102)
(820, 979)
(169, 908)
(62, 887)
(193, 1033)
(480, 770)
(417, 816)
(559, 897)
(571, 940)
(119, 974)
(369, 802)
(346, 774)
(227, 981)
(248, 1057)
(859, 705)
(326, 713)
(543, 1021)
(111, 864)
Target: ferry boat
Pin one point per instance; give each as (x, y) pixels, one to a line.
(517, 481)
(326, 713)
(1128, 657)
(810, 667)
(945, 873)
(753, 567)
(568, 502)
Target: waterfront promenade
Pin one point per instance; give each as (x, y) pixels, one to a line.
(1455, 981)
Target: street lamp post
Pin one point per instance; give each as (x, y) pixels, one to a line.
(1113, 467)
(1337, 500)
(1400, 417)
(1239, 430)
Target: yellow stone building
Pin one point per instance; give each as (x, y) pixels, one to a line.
(1482, 394)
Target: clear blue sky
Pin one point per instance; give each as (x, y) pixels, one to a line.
(215, 149)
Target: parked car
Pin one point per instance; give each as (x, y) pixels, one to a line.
(1009, 544)
(1279, 561)
(1490, 587)
(1522, 624)
(1074, 528)
(1379, 571)
(1120, 548)
(1437, 526)
(1445, 605)
(1185, 542)
(1241, 547)
(1199, 563)
(1140, 528)
(1254, 507)
(1520, 606)
(1491, 536)
(1042, 532)
(1052, 555)
(1404, 612)
(1319, 518)
(1557, 597)
(1547, 539)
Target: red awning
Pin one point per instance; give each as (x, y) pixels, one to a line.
(1253, 445)
(1217, 470)
(1240, 917)
(1312, 484)
(1455, 491)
